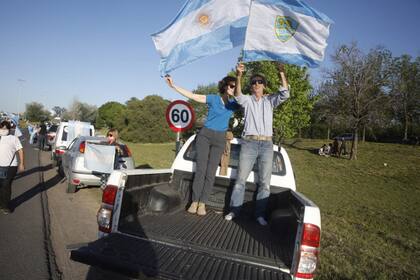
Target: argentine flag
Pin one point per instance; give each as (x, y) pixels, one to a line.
(201, 28)
(286, 30)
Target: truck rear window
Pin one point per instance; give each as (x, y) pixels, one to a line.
(278, 161)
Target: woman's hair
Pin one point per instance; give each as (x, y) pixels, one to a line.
(6, 124)
(224, 82)
(114, 133)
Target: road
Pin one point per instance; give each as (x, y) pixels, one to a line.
(26, 251)
(35, 238)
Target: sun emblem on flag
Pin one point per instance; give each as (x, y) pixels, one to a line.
(203, 19)
(285, 27)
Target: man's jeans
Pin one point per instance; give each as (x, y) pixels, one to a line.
(251, 151)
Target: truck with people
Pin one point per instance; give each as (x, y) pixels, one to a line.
(144, 228)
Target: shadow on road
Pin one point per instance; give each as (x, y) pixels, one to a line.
(34, 170)
(43, 186)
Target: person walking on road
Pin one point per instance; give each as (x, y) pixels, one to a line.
(42, 136)
(257, 143)
(210, 141)
(9, 146)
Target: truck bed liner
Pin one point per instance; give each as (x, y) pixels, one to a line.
(241, 239)
(135, 256)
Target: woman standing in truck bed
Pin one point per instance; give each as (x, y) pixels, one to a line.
(210, 141)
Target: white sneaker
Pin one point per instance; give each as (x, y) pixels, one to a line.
(230, 216)
(262, 221)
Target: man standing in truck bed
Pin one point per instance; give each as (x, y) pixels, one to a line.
(257, 143)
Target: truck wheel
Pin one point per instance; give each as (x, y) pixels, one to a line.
(71, 188)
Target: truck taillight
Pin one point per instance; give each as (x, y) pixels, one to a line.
(82, 147)
(309, 251)
(104, 216)
(59, 151)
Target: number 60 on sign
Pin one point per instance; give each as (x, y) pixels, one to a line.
(180, 116)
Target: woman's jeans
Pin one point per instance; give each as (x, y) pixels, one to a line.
(252, 151)
(210, 145)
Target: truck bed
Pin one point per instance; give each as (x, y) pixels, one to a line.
(241, 240)
(136, 257)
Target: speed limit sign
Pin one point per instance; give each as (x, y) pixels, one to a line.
(180, 115)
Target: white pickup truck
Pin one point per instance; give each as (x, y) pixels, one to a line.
(144, 228)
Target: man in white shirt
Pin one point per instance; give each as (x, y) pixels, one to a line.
(9, 146)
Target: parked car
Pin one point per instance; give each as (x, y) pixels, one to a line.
(346, 136)
(66, 133)
(74, 163)
(51, 133)
(144, 227)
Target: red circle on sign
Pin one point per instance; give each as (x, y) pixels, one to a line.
(176, 126)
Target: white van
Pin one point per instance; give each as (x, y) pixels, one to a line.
(66, 133)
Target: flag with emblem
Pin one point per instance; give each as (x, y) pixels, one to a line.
(201, 28)
(288, 31)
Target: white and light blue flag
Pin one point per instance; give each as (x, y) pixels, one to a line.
(201, 28)
(288, 31)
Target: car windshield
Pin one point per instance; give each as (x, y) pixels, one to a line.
(278, 161)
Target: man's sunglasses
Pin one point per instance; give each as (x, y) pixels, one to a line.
(232, 86)
(110, 135)
(254, 82)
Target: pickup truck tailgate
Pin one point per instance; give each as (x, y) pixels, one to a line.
(134, 256)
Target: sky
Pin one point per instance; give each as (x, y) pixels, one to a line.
(95, 51)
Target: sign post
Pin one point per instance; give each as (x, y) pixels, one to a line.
(180, 117)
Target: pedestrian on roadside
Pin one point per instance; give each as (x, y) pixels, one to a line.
(42, 136)
(337, 147)
(9, 146)
(343, 148)
(210, 141)
(257, 142)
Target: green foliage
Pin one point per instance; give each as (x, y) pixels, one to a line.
(405, 92)
(111, 115)
(81, 111)
(146, 121)
(35, 112)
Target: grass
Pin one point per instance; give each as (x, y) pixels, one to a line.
(152, 155)
(370, 212)
(370, 209)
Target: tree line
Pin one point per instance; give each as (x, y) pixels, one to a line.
(373, 95)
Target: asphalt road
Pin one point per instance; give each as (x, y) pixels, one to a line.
(46, 221)
(25, 247)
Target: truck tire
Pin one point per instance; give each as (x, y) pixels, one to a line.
(71, 188)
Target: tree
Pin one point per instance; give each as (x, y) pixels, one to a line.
(111, 115)
(35, 112)
(59, 111)
(81, 112)
(359, 81)
(326, 114)
(405, 91)
(146, 121)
